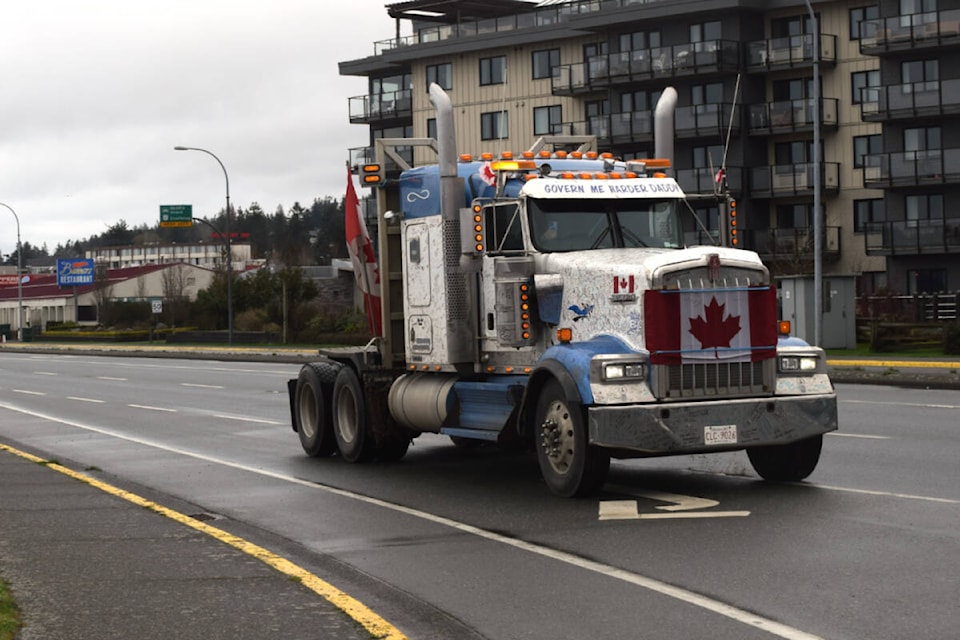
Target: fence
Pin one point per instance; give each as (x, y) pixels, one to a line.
(932, 307)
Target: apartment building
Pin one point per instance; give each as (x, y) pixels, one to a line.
(889, 107)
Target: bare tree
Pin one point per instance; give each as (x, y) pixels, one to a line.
(174, 280)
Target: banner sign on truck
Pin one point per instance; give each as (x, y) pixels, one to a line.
(72, 272)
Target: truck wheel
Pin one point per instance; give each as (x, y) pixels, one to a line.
(786, 462)
(312, 414)
(569, 465)
(350, 418)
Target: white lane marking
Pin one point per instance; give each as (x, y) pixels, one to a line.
(28, 392)
(201, 386)
(245, 419)
(919, 405)
(742, 616)
(44, 373)
(627, 510)
(85, 399)
(857, 435)
(885, 494)
(149, 408)
(111, 379)
(680, 502)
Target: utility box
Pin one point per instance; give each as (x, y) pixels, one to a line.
(839, 323)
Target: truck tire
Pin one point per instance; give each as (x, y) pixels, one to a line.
(350, 418)
(786, 462)
(569, 465)
(313, 421)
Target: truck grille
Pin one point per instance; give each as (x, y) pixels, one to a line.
(713, 379)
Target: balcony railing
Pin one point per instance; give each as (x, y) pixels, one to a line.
(910, 100)
(543, 16)
(791, 115)
(393, 105)
(366, 155)
(792, 179)
(909, 168)
(908, 32)
(629, 67)
(704, 120)
(913, 237)
(704, 180)
(789, 52)
(793, 244)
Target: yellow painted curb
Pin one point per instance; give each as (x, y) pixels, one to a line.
(363, 615)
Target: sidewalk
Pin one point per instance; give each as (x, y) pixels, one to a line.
(87, 565)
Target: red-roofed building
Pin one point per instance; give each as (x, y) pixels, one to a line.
(44, 301)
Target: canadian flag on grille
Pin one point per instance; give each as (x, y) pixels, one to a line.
(731, 325)
(364, 261)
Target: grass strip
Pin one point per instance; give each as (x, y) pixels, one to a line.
(9, 613)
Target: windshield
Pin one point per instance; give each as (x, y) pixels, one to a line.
(578, 225)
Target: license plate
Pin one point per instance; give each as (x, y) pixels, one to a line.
(720, 434)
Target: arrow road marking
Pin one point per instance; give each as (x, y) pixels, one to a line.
(679, 507)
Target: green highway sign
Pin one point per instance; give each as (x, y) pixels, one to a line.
(176, 215)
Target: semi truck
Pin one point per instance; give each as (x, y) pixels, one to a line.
(547, 301)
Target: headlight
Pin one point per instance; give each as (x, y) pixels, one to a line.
(798, 364)
(622, 370)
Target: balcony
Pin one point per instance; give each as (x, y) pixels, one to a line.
(704, 120)
(791, 116)
(792, 246)
(365, 155)
(789, 53)
(907, 33)
(630, 67)
(910, 100)
(913, 237)
(911, 168)
(381, 107)
(792, 180)
(704, 180)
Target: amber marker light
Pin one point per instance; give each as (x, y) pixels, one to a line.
(565, 335)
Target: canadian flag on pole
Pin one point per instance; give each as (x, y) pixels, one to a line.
(364, 260)
(733, 325)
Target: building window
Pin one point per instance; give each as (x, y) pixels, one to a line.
(545, 63)
(865, 85)
(639, 40)
(920, 75)
(547, 120)
(707, 93)
(793, 216)
(493, 70)
(921, 142)
(926, 281)
(493, 125)
(859, 15)
(442, 74)
(865, 146)
(923, 207)
(708, 157)
(866, 212)
(635, 101)
(705, 32)
(432, 128)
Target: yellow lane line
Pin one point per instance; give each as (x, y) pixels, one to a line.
(895, 363)
(363, 615)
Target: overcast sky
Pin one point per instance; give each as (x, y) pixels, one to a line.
(94, 95)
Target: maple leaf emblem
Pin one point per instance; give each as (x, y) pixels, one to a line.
(714, 331)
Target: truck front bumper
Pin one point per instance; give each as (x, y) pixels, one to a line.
(694, 427)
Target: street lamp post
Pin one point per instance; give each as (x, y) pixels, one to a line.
(817, 214)
(226, 227)
(19, 274)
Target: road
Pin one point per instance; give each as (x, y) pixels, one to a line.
(469, 543)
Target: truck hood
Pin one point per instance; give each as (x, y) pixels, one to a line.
(601, 292)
